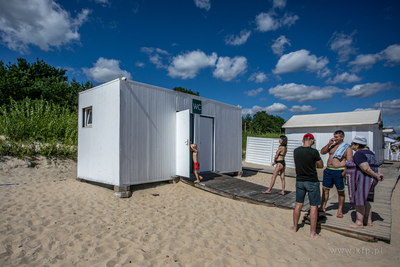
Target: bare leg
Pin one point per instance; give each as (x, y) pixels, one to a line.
(296, 215)
(198, 177)
(368, 214)
(341, 197)
(273, 178)
(324, 199)
(360, 211)
(313, 222)
(283, 181)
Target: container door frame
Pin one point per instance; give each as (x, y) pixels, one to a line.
(203, 157)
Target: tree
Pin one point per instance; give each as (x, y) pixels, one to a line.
(262, 122)
(38, 80)
(187, 91)
(246, 122)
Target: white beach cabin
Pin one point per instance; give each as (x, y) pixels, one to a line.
(322, 126)
(133, 133)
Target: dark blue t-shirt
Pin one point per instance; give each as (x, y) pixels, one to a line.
(304, 160)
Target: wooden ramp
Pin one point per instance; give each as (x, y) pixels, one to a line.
(381, 210)
(239, 189)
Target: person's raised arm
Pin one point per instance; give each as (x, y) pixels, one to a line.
(328, 146)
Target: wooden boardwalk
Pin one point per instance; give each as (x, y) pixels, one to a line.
(381, 210)
(238, 189)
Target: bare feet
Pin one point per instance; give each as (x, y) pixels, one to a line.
(321, 210)
(293, 228)
(281, 193)
(266, 192)
(201, 177)
(197, 181)
(355, 226)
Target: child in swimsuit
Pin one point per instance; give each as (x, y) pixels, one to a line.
(279, 161)
(196, 164)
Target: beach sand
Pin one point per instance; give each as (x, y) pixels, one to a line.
(51, 219)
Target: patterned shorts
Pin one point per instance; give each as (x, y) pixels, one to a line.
(196, 166)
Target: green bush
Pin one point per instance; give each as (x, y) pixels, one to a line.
(38, 126)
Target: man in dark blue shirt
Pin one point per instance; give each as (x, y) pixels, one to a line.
(306, 160)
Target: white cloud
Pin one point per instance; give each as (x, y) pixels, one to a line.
(228, 68)
(303, 93)
(300, 60)
(364, 109)
(40, 22)
(157, 60)
(302, 109)
(254, 92)
(267, 21)
(258, 77)
(154, 56)
(105, 70)
(102, 2)
(343, 45)
(365, 90)
(276, 108)
(344, 77)
(238, 40)
(189, 65)
(391, 54)
(278, 3)
(278, 45)
(203, 4)
(363, 62)
(139, 64)
(389, 108)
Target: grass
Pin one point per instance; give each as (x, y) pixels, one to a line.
(38, 126)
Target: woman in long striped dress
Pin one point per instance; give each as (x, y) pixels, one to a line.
(362, 176)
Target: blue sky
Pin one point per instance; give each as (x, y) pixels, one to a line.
(283, 56)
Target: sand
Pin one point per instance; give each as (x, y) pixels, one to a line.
(51, 219)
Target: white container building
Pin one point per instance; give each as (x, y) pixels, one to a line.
(322, 126)
(133, 133)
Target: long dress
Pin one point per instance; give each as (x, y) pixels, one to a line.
(360, 185)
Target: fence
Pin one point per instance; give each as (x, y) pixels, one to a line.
(262, 150)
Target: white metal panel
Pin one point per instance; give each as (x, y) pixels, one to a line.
(263, 150)
(323, 134)
(334, 119)
(227, 131)
(98, 146)
(147, 148)
(182, 143)
(206, 144)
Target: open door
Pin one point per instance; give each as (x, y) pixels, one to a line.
(182, 143)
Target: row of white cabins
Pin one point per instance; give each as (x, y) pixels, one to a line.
(133, 133)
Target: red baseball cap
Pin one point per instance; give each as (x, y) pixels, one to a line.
(310, 136)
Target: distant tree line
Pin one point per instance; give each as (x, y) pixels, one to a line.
(38, 80)
(262, 122)
(187, 91)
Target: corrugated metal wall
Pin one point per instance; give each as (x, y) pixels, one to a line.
(263, 150)
(132, 140)
(147, 133)
(227, 134)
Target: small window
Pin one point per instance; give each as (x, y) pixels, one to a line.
(87, 117)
